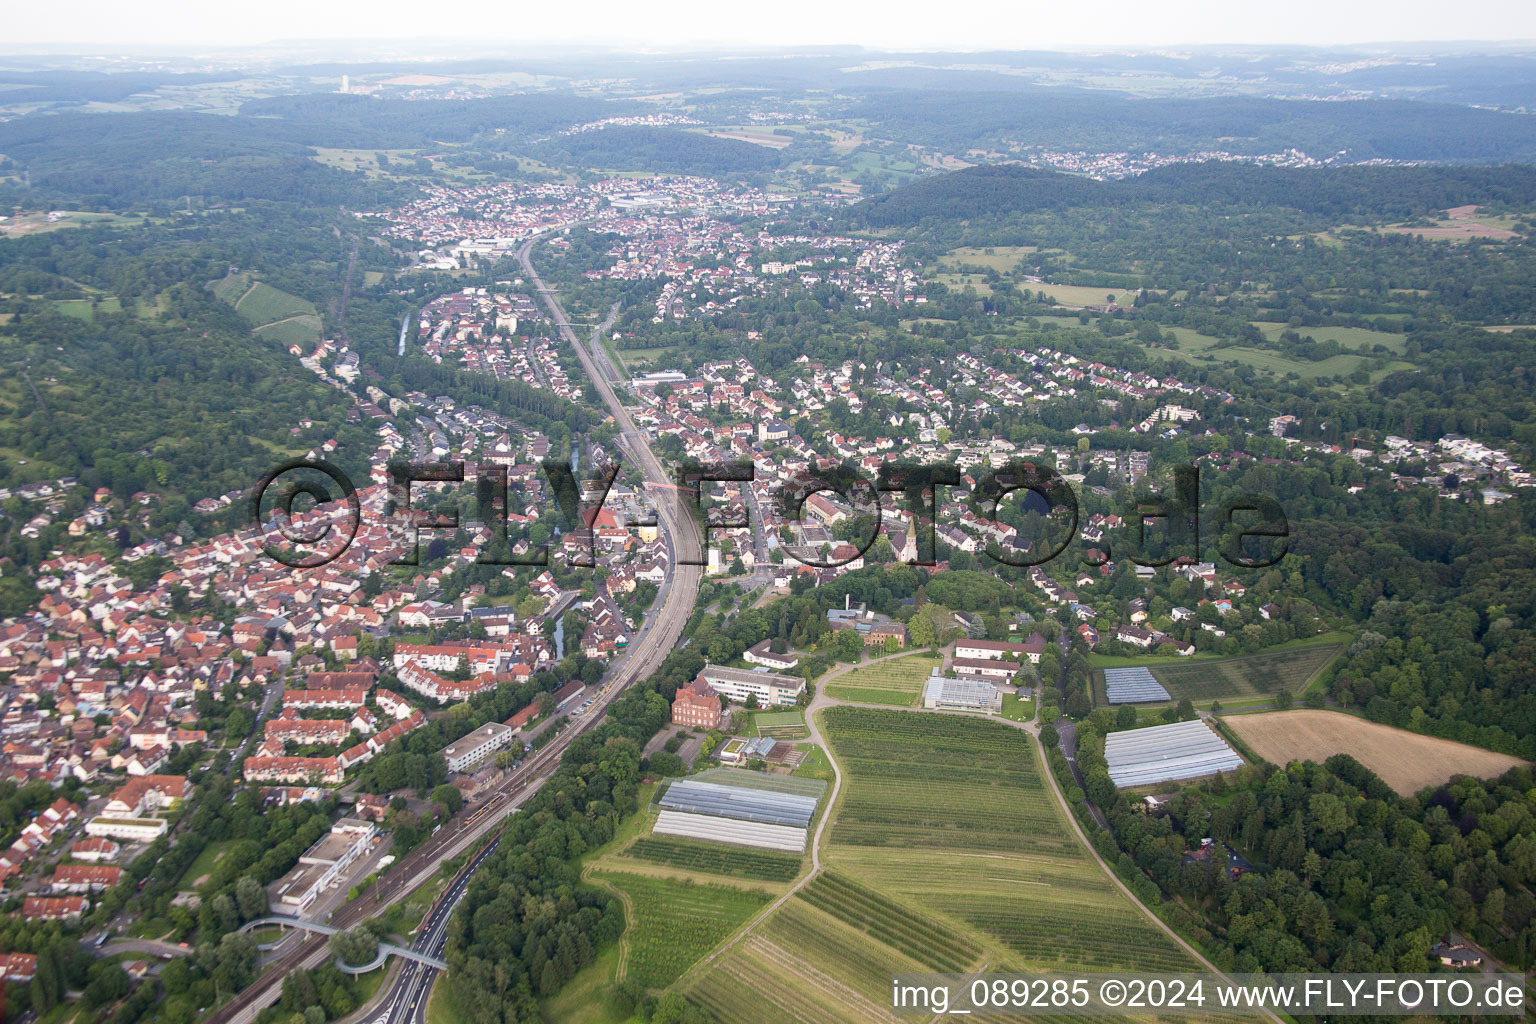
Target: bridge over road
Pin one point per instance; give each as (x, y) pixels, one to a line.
(386, 949)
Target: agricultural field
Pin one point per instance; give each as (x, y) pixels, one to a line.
(273, 314)
(303, 330)
(715, 858)
(1241, 677)
(673, 923)
(756, 135)
(1406, 761)
(780, 725)
(897, 681)
(947, 851)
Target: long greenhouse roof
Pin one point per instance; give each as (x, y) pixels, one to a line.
(741, 804)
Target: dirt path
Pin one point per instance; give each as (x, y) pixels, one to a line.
(821, 827)
(629, 919)
(296, 316)
(1032, 729)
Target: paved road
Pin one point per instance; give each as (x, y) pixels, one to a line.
(405, 1002)
(656, 639)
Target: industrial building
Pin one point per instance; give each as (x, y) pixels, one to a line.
(1162, 753)
(961, 694)
(469, 750)
(1133, 686)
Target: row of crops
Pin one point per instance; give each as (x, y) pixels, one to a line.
(716, 858)
(919, 937)
(675, 923)
(938, 781)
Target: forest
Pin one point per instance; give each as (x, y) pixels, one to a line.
(1396, 193)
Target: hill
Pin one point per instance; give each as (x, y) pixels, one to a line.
(1376, 192)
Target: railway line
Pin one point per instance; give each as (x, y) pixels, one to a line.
(657, 638)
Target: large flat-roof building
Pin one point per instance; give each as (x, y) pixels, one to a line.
(961, 694)
(469, 750)
(770, 688)
(323, 864)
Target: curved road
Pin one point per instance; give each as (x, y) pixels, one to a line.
(657, 638)
(1032, 729)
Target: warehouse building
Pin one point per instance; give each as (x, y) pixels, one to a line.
(961, 694)
(469, 750)
(770, 688)
(1133, 686)
(1162, 753)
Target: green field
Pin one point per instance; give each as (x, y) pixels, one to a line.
(204, 862)
(780, 725)
(263, 304)
(83, 309)
(1240, 677)
(303, 330)
(947, 851)
(897, 681)
(1020, 709)
(716, 858)
(275, 315)
(1001, 258)
(1191, 340)
(673, 923)
(1083, 295)
(1348, 337)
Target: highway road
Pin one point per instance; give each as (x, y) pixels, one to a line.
(406, 1000)
(656, 639)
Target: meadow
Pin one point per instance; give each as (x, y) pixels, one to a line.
(1347, 337)
(897, 681)
(1001, 258)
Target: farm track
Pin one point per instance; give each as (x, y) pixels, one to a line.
(750, 933)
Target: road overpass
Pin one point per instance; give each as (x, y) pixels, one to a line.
(657, 638)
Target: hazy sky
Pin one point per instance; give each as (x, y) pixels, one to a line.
(102, 25)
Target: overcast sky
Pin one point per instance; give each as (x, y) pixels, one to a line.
(103, 25)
